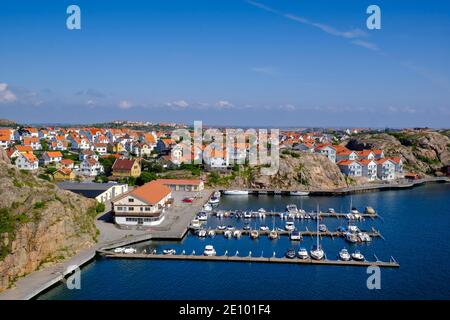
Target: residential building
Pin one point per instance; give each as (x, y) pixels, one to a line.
(144, 205)
(126, 168)
(33, 142)
(63, 174)
(386, 169)
(351, 168)
(194, 185)
(90, 167)
(369, 168)
(51, 157)
(27, 161)
(102, 192)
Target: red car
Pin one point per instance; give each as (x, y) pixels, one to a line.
(188, 200)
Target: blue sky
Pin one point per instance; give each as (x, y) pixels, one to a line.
(237, 62)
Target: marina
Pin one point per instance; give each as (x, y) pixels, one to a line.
(236, 258)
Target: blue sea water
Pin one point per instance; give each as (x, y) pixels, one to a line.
(415, 224)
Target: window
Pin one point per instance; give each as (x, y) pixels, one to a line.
(130, 208)
(130, 200)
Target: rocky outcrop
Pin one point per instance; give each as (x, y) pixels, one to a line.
(40, 224)
(426, 152)
(296, 171)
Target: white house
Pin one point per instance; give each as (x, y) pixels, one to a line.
(90, 167)
(386, 169)
(329, 151)
(33, 142)
(144, 205)
(51, 157)
(87, 154)
(81, 144)
(101, 148)
(369, 168)
(351, 168)
(346, 155)
(27, 161)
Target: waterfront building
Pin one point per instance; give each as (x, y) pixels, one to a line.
(386, 169)
(194, 185)
(369, 169)
(102, 192)
(144, 205)
(351, 168)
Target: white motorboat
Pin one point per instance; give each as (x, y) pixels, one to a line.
(331, 210)
(344, 255)
(358, 256)
(211, 233)
(352, 228)
(236, 192)
(118, 250)
(228, 234)
(254, 234)
(209, 251)
(169, 251)
(295, 235)
(292, 208)
(221, 227)
(364, 237)
(323, 228)
(214, 200)
(299, 193)
(247, 214)
(289, 226)
(202, 233)
(262, 210)
(351, 237)
(129, 250)
(237, 234)
(264, 228)
(207, 207)
(303, 254)
(317, 252)
(217, 194)
(195, 224)
(273, 235)
(261, 213)
(202, 216)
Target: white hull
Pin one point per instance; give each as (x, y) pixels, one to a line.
(299, 193)
(236, 192)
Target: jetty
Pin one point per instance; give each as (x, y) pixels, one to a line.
(192, 257)
(311, 215)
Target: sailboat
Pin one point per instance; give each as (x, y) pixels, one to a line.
(317, 252)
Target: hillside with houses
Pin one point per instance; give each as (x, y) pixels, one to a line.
(138, 153)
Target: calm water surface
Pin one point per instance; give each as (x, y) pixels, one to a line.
(415, 224)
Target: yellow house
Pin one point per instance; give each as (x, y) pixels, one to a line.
(64, 174)
(126, 168)
(118, 148)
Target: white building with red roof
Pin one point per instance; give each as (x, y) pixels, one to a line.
(27, 161)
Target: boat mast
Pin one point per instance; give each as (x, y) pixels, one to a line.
(317, 217)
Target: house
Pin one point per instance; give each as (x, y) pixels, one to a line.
(398, 167)
(102, 192)
(87, 154)
(379, 154)
(369, 168)
(126, 168)
(194, 185)
(366, 154)
(15, 151)
(142, 149)
(90, 167)
(5, 141)
(27, 161)
(51, 157)
(33, 142)
(346, 154)
(80, 144)
(386, 169)
(101, 148)
(66, 163)
(304, 147)
(60, 145)
(63, 174)
(328, 151)
(164, 145)
(144, 205)
(351, 168)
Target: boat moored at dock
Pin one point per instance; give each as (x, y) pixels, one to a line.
(235, 192)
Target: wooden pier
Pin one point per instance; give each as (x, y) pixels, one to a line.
(305, 233)
(390, 264)
(312, 215)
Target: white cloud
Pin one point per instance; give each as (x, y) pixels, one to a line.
(270, 71)
(6, 95)
(125, 104)
(223, 104)
(178, 104)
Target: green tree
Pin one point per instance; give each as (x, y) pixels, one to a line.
(145, 177)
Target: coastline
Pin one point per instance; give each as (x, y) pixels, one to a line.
(37, 282)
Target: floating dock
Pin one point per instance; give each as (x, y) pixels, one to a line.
(306, 233)
(381, 264)
(312, 215)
